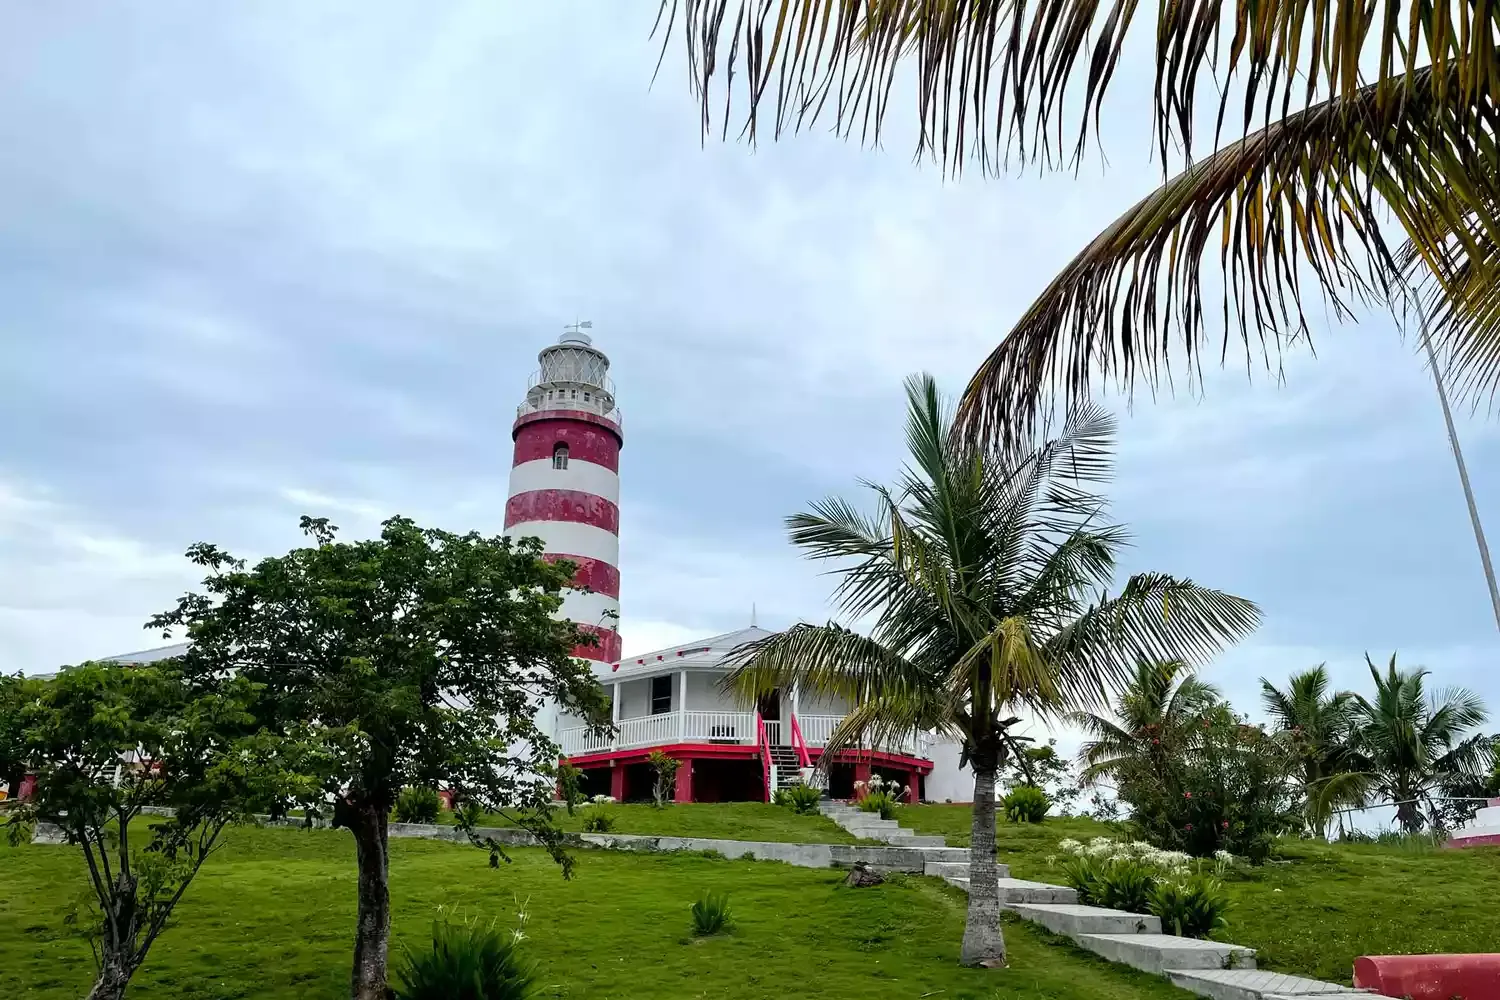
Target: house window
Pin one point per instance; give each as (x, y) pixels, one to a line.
(661, 695)
(560, 457)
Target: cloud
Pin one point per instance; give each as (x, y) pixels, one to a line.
(305, 264)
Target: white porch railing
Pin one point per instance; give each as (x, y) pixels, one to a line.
(816, 729)
(714, 727)
(668, 727)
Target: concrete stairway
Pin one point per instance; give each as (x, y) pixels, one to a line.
(1212, 969)
(869, 826)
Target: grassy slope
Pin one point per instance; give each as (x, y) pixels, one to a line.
(271, 917)
(719, 820)
(1334, 904)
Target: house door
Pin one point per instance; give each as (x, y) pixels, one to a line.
(769, 707)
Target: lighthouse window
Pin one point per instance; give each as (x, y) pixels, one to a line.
(585, 397)
(560, 457)
(661, 695)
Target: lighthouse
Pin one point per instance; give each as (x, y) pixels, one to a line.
(565, 481)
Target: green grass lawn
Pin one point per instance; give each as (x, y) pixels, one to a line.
(1314, 910)
(716, 820)
(273, 914)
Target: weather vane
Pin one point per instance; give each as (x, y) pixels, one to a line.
(579, 326)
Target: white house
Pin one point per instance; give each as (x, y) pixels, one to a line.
(673, 700)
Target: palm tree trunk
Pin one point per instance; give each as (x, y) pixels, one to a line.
(984, 944)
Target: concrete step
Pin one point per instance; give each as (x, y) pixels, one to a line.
(1018, 890)
(959, 869)
(912, 840)
(1156, 953)
(1073, 919)
(1253, 984)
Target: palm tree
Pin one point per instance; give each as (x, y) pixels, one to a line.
(1152, 721)
(982, 583)
(1319, 727)
(1353, 144)
(1410, 747)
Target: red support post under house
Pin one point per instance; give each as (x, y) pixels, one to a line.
(861, 774)
(617, 782)
(684, 792)
(912, 784)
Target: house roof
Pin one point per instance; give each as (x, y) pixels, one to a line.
(149, 655)
(702, 653)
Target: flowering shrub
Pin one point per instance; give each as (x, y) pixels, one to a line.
(801, 799)
(879, 796)
(1190, 907)
(467, 959)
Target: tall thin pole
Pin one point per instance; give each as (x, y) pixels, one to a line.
(1458, 455)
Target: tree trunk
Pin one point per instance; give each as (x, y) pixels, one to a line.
(983, 943)
(372, 932)
(114, 976)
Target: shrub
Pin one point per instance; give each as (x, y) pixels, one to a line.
(1081, 873)
(782, 797)
(418, 805)
(468, 961)
(597, 818)
(469, 814)
(879, 796)
(666, 777)
(1126, 884)
(1190, 907)
(803, 799)
(1231, 787)
(1026, 804)
(711, 913)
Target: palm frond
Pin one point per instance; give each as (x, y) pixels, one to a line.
(829, 659)
(999, 80)
(1154, 616)
(1305, 196)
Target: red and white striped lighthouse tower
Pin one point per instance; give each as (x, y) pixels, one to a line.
(565, 480)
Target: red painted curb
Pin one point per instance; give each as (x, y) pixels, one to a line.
(1430, 977)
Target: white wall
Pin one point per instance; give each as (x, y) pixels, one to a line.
(948, 781)
(811, 703)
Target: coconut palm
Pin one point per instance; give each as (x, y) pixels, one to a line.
(1319, 727)
(1152, 721)
(982, 583)
(1410, 747)
(1354, 144)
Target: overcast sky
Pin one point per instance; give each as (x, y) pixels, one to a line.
(288, 258)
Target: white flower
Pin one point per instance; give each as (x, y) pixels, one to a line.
(1069, 845)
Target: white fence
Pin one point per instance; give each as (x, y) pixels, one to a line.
(668, 727)
(715, 727)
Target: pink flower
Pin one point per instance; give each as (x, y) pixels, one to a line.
(1226, 824)
(1189, 828)
(1187, 795)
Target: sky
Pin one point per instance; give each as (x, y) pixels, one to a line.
(281, 259)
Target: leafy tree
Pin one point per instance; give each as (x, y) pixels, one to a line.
(435, 648)
(1155, 719)
(1045, 768)
(665, 767)
(983, 583)
(16, 693)
(1319, 728)
(1340, 131)
(1409, 747)
(108, 741)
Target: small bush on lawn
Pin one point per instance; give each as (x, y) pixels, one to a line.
(1026, 804)
(418, 805)
(879, 796)
(468, 960)
(711, 914)
(1190, 907)
(1081, 873)
(800, 799)
(469, 814)
(597, 818)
